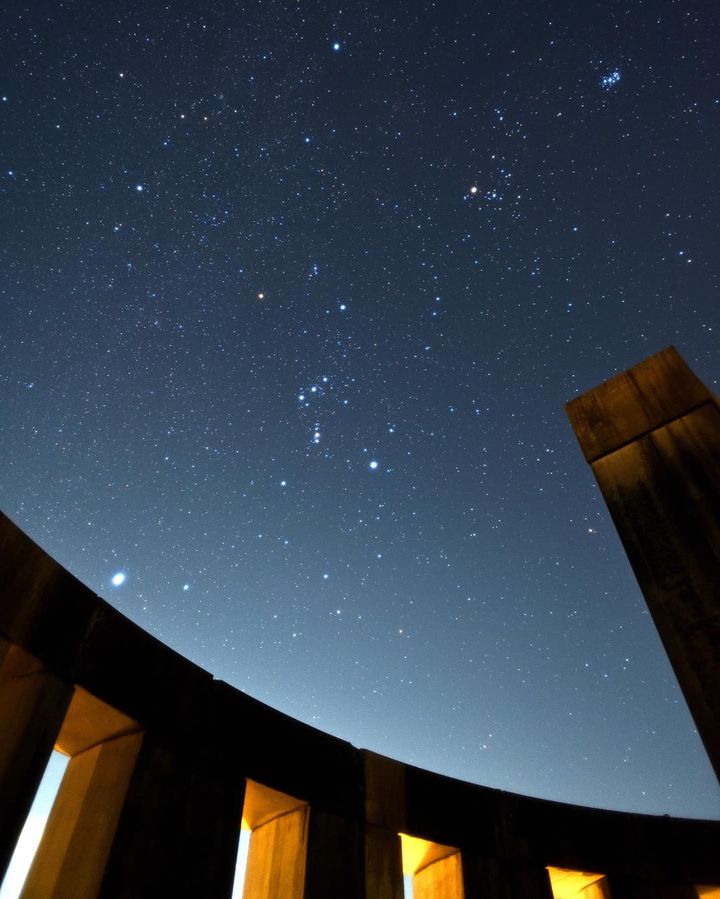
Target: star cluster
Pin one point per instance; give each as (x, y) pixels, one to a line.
(293, 296)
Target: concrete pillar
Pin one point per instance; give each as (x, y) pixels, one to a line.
(621, 887)
(179, 829)
(276, 859)
(494, 878)
(334, 865)
(441, 879)
(135, 818)
(73, 852)
(652, 437)
(383, 864)
(33, 703)
(386, 816)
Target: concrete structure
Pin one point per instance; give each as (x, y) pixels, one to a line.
(652, 437)
(165, 763)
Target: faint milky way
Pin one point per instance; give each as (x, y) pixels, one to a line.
(293, 296)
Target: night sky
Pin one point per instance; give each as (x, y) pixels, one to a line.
(293, 296)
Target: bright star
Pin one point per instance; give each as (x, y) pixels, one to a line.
(118, 579)
(139, 188)
(186, 587)
(373, 465)
(337, 46)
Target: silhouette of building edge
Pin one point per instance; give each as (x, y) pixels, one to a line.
(165, 762)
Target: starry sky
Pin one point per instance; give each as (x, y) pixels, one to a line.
(293, 296)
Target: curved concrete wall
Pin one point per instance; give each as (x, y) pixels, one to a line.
(165, 761)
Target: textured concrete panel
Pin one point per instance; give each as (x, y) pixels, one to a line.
(441, 879)
(276, 860)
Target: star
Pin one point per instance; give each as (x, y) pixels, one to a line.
(118, 579)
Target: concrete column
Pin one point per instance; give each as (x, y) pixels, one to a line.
(652, 437)
(494, 878)
(334, 865)
(383, 864)
(386, 816)
(33, 703)
(133, 818)
(441, 879)
(276, 859)
(179, 829)
(621, 887)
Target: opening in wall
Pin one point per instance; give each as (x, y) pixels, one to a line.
(430, 870)
(273, 845)
(707, 891)
(568, 884)
(32, 832)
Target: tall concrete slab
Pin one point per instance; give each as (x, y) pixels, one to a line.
(495, 878)
(621, 887)
(334, 865)
(383, 864)
(385, 817)
(652, 438)
(179, 829)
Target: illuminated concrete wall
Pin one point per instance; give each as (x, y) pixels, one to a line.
(166, 763)
(652, 437)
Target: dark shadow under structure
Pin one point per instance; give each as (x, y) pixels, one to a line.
(166, 762)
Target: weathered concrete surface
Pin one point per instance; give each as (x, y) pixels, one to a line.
(652, 436)
(335, 857)
(383, 864)
(441, 879)
(276, 861)
(631, 888)
(179, 828)
(494, 878)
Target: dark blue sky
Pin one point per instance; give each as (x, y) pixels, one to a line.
(292, 299)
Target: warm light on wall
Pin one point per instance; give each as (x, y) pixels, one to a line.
(435, 869)
(418, 853)
(567, 884)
